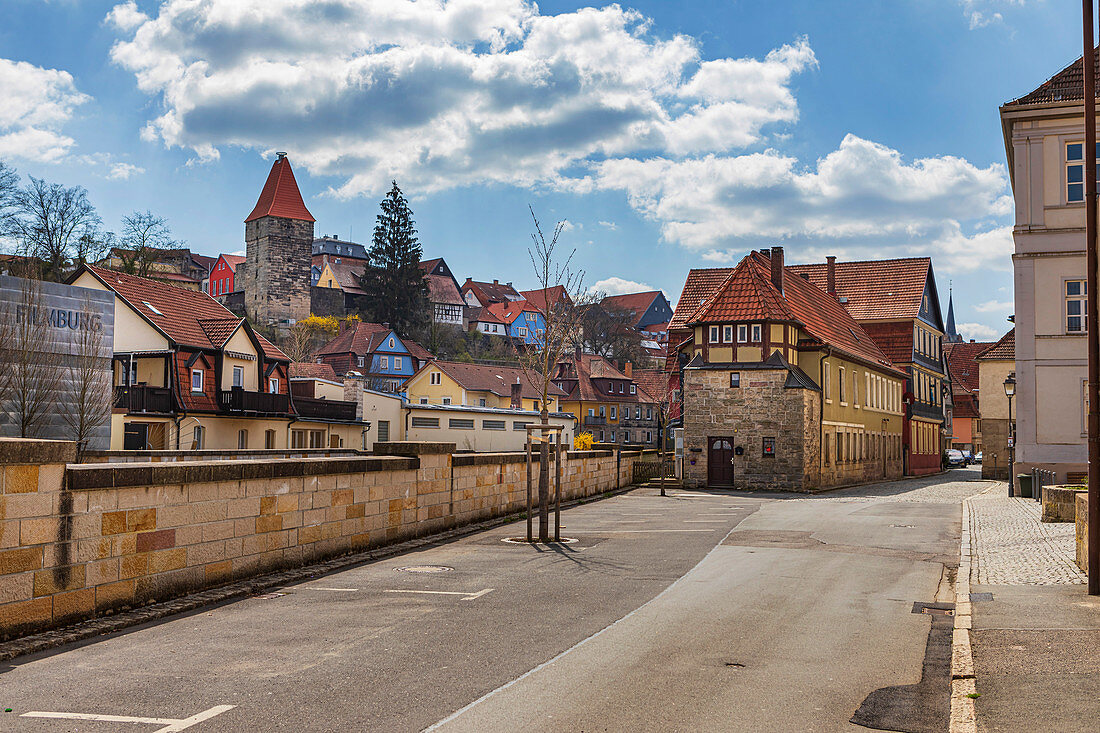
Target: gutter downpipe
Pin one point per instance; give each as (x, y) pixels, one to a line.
(174, 386)
(821, 416)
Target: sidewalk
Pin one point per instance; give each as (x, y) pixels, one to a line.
(1036, 642)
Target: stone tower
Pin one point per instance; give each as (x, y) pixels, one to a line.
(278, 237)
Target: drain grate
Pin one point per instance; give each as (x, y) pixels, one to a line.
(424, 569)
(944, 609)
(975, 597)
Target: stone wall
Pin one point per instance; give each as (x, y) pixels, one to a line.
(995, 453)
(1060, 503)
(327, 302)
(275, 278)
(760, 408)
(85, 540)
(1081, 517)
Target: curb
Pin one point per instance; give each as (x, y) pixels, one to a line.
(963, 712)
(46, 640)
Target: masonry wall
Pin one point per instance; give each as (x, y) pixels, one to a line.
(275, 277)
(80, 541)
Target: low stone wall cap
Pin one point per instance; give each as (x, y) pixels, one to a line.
(412, 448)
(24, 451)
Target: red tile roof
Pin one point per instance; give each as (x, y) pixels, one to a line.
(895, 339)
(654, 382)
(360, 338)
(1003, 350)
(280, 196)
(494, 292)
(964, 405)
(701, 284)
(187, 317)
(483, 315)
(634, 303)
(747, 293)
(417, 350)
(961, 364)
(509, 311)
(307, 370)
(495, 379)
(539, 298)
(232, 260)
(441, 289)
(875, 289)
(584, 368)
(347, 275)
(1068, 85)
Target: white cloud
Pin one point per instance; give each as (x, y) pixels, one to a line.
(37, 103)
(995, 306)
(124, 171)
(443, 94)
(608, 225)
(619, 286)
(982, 13)
(979, 332)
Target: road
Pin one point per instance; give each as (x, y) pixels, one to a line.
(699, 611)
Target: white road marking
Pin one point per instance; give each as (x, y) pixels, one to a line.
(582, 642)
(641, 515)
(704, 521)
(469, 596)
(639, 531)
(334, 590)
(171, 725)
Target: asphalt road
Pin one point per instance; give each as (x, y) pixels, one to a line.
(698, 611)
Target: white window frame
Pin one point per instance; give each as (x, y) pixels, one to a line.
(727, 334)
(446, 400)
(199, 373)
(238, 375)
(714, 334)
(757, 333)
(391, 342)
(360, 361)
(1079, 299)
(273, 385)
(397, 362)
(423, 400)
(840, 385)
(522, 331)
(633, 389)
(384, 362)
(742, 333)
(612, 412)
(242, 439)
(435, 378)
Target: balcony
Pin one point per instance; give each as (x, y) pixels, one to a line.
(140, 398)
(593, 420)
(240, 400)
(310, 408)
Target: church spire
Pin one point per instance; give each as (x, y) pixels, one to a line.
(280, 196)
(952, 336)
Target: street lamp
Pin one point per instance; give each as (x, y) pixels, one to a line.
(1010, 392)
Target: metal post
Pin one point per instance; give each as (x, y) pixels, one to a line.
(529, 528)
(557, 488)
(1091, 315)
(1011, 451)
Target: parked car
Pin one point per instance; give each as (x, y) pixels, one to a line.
(955, 458)
(967, 457)
(978, 457)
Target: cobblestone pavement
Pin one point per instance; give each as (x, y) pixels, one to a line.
(951, 487)
(1011, 546)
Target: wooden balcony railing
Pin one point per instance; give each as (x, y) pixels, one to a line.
(239, 399)
(314, 409)
(140, 398)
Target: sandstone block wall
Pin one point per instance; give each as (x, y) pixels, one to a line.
(1060, 503)
(83, 540)
(275, 278)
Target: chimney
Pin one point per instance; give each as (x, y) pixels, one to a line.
(496, 282)
(777, 268)
(830, 274)
(517, 395)
(342, 327)
(629, 370)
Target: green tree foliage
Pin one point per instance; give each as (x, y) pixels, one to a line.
(397, 292)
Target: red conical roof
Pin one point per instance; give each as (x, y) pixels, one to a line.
(281, 196)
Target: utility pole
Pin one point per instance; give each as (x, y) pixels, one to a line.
(1093, 321)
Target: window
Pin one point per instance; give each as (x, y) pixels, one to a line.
(714, 334)
(1076, 292)
(269, 439)
(620, 387)
(360, 361)
(756, 333)
(591, 412)
(425, 422)
(828, 382)
(384, 362)
(727, 334)
(461, 423)
(397, 362)
(198, 438)
(242, 439)
(1075, 171)
(633, 389)
(481, 402)
(648, 436)
(238, 376)
(612, 436)
(603, 410)
(735, 379)
(446, 400)
(273, 385)
(742, 333)
(825, 449)
(391, 342)
(435, 378)
(521, 331)
(637, 412)
(520, 425)
(613, 410)
(493, 425)
(768, 447)
(855, 389)
(649, 413)
(840, 384)
(383, 431)
(423, 400)
(196, 380)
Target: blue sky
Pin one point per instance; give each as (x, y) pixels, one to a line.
(670, 134)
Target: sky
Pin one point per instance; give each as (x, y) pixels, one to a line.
(666, 134)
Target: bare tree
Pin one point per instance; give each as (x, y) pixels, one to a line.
(142, 242)
(88, 407)
(561, 330)
(32, 364)
(610, 333)
(303, 338)
(9, 185)
(58, 225)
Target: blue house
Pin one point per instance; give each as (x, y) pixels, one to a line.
(374, 352)
(522, 321)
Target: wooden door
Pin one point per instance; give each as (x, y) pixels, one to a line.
(720, 461)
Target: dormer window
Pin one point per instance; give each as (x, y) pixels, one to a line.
(714, 334)
(727, 334)
(756, 333)
(742, 333)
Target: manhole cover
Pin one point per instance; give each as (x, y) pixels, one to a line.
(424, 569)
(269, 596)
(945, 609)
(523, 541)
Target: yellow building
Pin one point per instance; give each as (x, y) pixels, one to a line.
(608, 403)
(478, 385)
(781, 388)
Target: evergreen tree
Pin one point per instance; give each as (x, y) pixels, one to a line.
(397, 292)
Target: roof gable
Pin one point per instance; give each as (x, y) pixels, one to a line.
(1068, 85)
(877, 289)
(489, 378)
(280, 196)
(1003, 350)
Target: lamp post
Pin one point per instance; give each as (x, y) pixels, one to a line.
(1010, 392)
